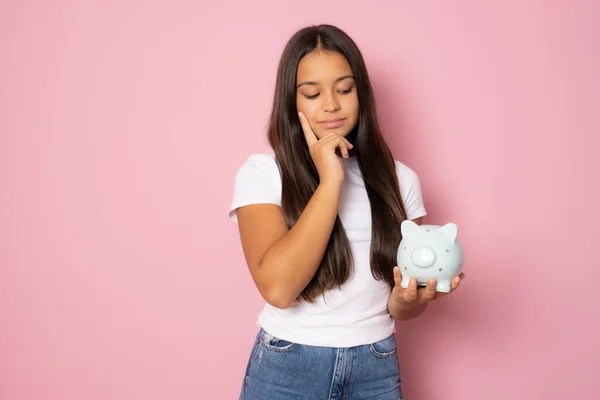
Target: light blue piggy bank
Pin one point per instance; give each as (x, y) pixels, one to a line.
(429, 251)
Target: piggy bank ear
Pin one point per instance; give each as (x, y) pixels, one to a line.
(450, 230)
(408, 228)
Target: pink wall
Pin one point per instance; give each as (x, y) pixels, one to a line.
(122, 126)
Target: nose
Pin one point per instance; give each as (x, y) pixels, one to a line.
(423, 256)
(330, 103)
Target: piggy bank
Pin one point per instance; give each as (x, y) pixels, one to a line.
(429, 251)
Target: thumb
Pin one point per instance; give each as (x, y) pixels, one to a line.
(397, 276)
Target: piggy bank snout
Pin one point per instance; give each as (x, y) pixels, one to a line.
(423, 257)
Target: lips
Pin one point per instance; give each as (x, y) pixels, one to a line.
(333, 122)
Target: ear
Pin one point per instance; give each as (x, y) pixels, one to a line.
(450, 230)
(408, 228)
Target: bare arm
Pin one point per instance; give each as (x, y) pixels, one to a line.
(282, 262)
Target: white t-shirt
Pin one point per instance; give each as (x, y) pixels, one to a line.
(356, 314)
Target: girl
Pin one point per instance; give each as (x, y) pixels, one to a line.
(319, 223)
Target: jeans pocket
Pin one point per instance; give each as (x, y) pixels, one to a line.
(385, 348)
(272, 343)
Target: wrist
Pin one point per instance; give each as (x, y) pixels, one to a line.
(335, 185)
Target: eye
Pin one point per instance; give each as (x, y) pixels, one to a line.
(347, 91)
(314, 96)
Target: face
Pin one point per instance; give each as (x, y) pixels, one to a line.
(326, 93)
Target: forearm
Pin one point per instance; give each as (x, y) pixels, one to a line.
(402, 310)
(292, 261)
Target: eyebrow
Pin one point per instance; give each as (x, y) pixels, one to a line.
(316, 83)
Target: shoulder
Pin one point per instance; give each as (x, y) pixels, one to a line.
(264, 162)
(259, 167)
(257, 182)
(262, 158)
(410, 190)
(406, 175)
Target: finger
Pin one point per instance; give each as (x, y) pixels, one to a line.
(310, 136)
(335, 141)
(346, 142)
(397, 276)
(337, 135)
(457, 280)
(350, 145)
(344, 149)
(430, 289)
(440, 294)
(455, 283)
(411, 291)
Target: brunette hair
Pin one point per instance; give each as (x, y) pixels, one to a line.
(300, 177)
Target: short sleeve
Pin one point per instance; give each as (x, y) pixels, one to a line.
(410, 190)
(257, 182)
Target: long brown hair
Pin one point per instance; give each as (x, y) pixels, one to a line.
(300, 177)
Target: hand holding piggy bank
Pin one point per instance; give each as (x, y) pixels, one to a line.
(430, 251)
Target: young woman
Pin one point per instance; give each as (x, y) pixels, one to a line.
(319, 223)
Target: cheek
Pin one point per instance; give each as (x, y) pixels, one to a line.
(308, 108)
(353, 106)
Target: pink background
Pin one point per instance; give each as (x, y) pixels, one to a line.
(122, 124)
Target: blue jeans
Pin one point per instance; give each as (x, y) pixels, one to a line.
(281, 370)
